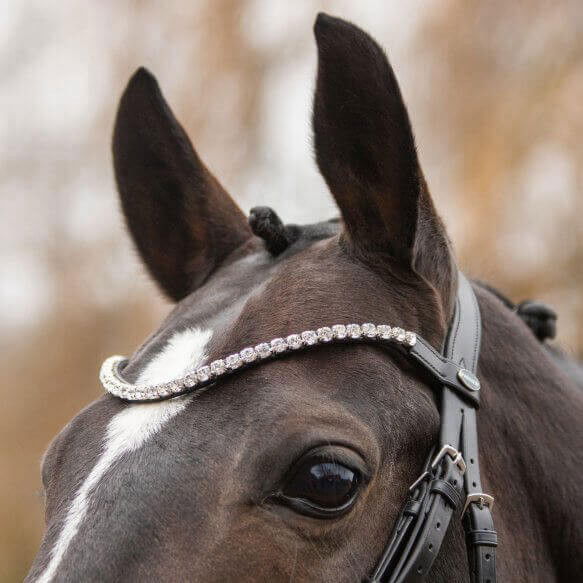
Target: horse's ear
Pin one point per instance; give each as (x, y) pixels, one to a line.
(182, 221)
(366, 152)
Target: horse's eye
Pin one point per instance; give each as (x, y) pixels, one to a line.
(321, 488)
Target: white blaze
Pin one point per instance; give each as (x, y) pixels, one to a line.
(132, 427)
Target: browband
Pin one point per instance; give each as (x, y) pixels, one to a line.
(450, 480)
(444, 370)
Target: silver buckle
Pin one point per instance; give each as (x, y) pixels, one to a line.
(481, 498)
(455, 455)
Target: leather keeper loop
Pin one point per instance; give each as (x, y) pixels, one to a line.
(487, 538)
(412, 507)
(447, 491)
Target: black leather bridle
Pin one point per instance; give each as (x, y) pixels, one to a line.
(450, 481)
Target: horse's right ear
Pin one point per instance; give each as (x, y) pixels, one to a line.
(183, 222)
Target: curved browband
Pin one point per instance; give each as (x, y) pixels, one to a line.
(451, 478)
(450, 481)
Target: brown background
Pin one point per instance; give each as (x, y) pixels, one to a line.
(495, 94)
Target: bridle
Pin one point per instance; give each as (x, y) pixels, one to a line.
(451, 477)
(450, 480)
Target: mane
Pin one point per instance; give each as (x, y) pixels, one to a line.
(536, 316)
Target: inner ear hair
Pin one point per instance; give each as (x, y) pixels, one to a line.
(266, 224)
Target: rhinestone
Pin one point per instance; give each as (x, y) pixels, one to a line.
(263, 350)
(218, 367)
(384, 331)
(164, 390)
(309, 337)
(203, 374)
(233, 361)
(369, 330)
(398, 334)
(278, 345)
(410, 338)
(190, 380)
(354, 331)
(339, 331)
(177, 386)
(294, 341)
(248, 354)
(325, 334)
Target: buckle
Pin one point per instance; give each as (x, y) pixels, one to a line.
(454, 454)
(481, 498)
(424, 476)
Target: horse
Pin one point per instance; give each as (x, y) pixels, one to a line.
(296, 469)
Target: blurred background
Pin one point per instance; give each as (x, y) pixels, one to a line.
(495, 93)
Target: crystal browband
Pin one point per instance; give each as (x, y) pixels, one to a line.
(199, 378)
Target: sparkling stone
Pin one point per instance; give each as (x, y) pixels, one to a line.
(309, 337)
(354, 331)
(398, 334)
(203, 374)
(278, 345)
(190, 380)
(248, 354)
(369, 330)
(410, 338)
(384, 331)
(233, 361)
(325, 334)
(218, 367)
(263, 350)
(177, 386)
(294, 341)
(339, 331)
(164, 390)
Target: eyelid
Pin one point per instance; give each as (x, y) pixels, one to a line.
(329, 452)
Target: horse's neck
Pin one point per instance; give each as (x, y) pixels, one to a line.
(531, 439)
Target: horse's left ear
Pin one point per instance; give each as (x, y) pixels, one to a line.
(366, 152)
(183, 222)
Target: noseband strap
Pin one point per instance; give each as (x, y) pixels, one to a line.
(450, 481)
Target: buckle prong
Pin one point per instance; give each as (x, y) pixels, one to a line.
(454, 454)
(482, 500)
(424, 476)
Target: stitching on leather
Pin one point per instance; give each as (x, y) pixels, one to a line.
(451, 352)
(477, 330)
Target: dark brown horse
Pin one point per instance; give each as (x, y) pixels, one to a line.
(203, 488)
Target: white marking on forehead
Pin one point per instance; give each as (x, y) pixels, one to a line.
(131, 428)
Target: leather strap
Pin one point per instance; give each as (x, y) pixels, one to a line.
(444, 370)
(437, 494)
